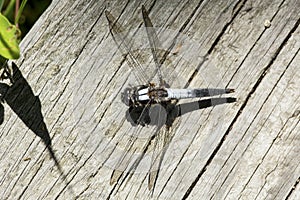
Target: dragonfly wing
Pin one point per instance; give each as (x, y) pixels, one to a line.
(121, 165)
(162, 141)
(128, 153)
(124, 163)
(115, 176)
(125, 45)
(154, 43)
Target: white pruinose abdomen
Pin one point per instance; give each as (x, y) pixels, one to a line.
(193, 93)
(180, 93)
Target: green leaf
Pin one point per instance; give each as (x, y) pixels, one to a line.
(9, 8)
(1, 4)
(20, 11)
(9, 39)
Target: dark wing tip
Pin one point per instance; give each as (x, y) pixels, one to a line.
(144, 11)
(152, 180)
(143, 8)
(109, 16)
(106, 13)
(115, 176)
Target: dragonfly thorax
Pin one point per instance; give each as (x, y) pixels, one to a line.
(143, 94)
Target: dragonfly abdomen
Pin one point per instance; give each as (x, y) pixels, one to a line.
(181, 93)
(193, 93)
(141, 95)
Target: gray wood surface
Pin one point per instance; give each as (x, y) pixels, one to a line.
(244, 150)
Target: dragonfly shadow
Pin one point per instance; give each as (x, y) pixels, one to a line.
(166, 113)
(162, 114)
(21, 99)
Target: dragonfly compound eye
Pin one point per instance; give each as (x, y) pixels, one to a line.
(126, 97)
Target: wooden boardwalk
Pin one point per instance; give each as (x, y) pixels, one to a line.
(244, 150)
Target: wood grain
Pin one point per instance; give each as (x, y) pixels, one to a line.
(245, 150)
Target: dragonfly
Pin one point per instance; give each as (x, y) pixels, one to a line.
(142, 98)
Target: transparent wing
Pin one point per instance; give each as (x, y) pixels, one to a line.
(125, 160)
(127, 165)
(125, 45)
(154, 145)
(162, 137)
(161, 144)
(154, 42)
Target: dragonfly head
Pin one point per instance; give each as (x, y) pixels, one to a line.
(127, 96)
(131, 96)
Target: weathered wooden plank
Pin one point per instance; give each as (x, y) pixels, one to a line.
(72, 63)
(58, 84)
(230, 175)
(270, 147)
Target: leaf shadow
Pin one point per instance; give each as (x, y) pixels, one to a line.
(21, 99)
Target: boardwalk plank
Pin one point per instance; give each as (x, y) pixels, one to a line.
(227, 173)
(244, 150)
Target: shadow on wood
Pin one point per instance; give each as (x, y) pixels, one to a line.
(140, 115)
(21, 99)
(159, 115)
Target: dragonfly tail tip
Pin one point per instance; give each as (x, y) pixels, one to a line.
(231, 100)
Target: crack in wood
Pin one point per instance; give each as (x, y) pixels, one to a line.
(293, 188)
